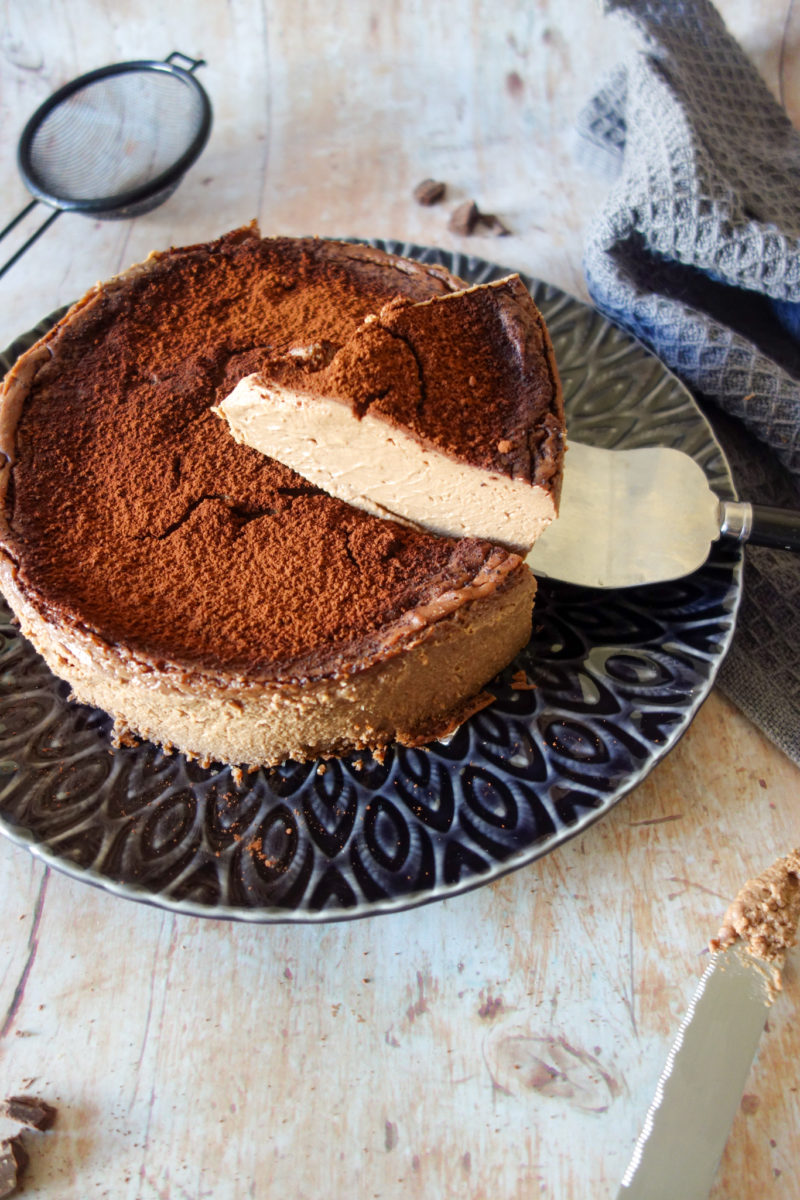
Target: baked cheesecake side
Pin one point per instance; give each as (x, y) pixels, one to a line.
(414, 684)
(447, 413)
(207, 597)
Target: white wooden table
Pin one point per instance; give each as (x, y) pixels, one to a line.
(504, 1044)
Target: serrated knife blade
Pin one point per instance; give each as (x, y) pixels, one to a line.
(687, 1125)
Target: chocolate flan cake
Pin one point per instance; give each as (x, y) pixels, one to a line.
(206, 596)
(445, 412)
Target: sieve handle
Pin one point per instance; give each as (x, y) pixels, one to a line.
(11, 224)
(194, 63)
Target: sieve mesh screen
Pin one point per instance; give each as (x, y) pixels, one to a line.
(115, 134)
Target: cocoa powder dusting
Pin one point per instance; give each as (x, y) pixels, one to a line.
(136, 514)
(486, 377)
(468, 374)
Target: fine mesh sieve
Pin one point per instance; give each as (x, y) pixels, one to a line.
(114, 143)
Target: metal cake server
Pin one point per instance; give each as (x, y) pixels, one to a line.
(629, 517)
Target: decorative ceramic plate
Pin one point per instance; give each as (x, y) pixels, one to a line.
(609, 680)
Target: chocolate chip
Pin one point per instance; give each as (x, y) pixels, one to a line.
(15, 1148)
(464, 218)
(430, 191)
(467, 217)
(493, 225)
(13, 1161)
(28, 1110)
(8, 1173)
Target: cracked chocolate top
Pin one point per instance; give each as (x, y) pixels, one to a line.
(471, 373)
(133, 515)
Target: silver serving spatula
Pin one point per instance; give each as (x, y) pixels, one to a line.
(629, 517)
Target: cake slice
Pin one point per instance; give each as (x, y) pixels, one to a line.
(446, 413)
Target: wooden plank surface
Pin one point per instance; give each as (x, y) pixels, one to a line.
(504, 1044)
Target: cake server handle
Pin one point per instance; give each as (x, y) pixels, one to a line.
(760, 525)
(37, 234)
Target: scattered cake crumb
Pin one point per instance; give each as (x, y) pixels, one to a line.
(33, 1113)
(237, 775)
(521, 683)
(322, 768)
(504, 446)
(121, 736)
(765, 914)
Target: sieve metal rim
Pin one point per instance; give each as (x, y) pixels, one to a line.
(130, 196)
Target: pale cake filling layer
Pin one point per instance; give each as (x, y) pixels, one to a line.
(378, 467)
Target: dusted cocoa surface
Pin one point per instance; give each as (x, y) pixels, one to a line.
(134, 514)
(490, 393)
(471, 374)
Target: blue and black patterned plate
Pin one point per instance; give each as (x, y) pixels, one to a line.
(612, 681)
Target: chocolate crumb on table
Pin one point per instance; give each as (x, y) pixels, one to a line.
(493, 225)
(430, 191)
(466, 219)
(13, 1161)
(28, 1110)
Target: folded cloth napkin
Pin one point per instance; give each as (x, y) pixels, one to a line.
(697, 253)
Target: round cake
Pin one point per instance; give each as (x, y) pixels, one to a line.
(206, 596)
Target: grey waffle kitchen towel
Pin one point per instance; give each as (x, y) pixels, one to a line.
(697, 253)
